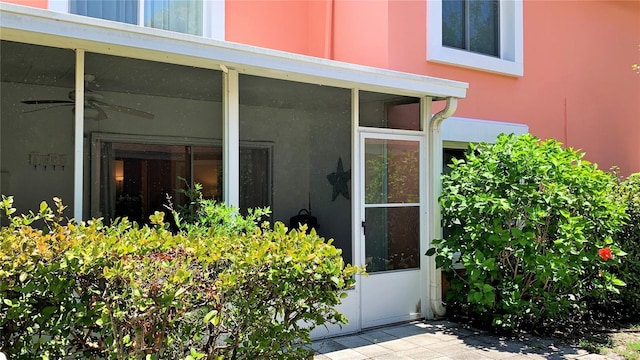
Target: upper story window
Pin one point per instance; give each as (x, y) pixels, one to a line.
(183, 16)
(196, 17)
(125, 11)
(472, 25)
(480, 34)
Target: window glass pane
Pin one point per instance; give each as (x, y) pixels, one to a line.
(391, 172)
(448, 155)
(393, 238)
(447, 159)
(472, 25)
(484, 27)
(255, 176)
(389, 111)
(207, 170)
(308, 129)
(138, 179)
(146, 176)
(183, 16)
(125, 11)
(453, 23)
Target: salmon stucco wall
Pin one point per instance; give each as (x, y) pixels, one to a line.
(351, 31)
(43, 4)
(293, 26)
(361, 32)
(577, 87)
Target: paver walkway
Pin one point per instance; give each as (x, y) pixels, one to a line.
(442, 340)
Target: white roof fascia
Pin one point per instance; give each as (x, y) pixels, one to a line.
(49, 28)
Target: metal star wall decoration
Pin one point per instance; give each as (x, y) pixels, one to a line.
(339, 180)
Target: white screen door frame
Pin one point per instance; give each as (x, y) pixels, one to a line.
(392, 291)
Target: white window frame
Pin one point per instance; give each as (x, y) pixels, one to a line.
(510, 62)
(213, 12)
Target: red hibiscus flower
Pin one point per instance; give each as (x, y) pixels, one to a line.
(605, 253)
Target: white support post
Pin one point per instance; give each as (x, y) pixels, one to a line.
(231, 137)
(356, 202)
(78, 146)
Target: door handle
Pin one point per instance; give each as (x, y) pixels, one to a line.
(364, 228)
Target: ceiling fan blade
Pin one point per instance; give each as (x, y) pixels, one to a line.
(102, 115)
(37, 102)
(127, 110)
(47, 107)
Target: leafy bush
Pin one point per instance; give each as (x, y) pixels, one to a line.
(629, 239)
(86, 290)
(207, 217)
(534, 224)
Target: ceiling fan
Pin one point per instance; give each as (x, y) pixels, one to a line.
(92, 100)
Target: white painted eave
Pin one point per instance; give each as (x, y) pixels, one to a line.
(49, 28)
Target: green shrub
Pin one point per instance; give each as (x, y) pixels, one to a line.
(86, 290)
(41, 300)
(207, 217)
(629, 239)
(534, 224)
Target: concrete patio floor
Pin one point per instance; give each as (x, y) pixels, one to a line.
(442, 340)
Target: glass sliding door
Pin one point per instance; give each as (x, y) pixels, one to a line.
(139, 179)
(255, 176)
(206, 169)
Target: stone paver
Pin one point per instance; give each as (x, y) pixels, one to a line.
(443, 340)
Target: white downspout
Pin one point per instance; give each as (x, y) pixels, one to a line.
(435, 188)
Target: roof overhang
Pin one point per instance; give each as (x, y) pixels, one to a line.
(49, 28)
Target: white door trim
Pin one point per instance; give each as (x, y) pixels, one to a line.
(414, 277)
